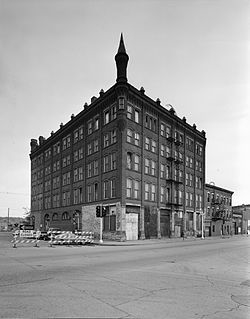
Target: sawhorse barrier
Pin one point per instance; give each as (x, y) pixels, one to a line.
(21, 240)
(70, 238)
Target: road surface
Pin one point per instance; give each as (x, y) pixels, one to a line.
(172, 279)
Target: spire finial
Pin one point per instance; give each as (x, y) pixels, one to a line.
(121, 59)
(121, 48)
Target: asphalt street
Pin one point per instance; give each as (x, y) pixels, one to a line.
(173, 279)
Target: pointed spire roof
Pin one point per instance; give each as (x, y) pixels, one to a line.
(121, 59)
(121, 48)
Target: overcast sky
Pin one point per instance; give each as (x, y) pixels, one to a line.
(55, 55)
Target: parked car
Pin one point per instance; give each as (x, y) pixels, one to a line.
(44, 235)
(53, 230)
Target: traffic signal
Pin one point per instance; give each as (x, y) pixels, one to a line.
(104, 211)
(98, 211)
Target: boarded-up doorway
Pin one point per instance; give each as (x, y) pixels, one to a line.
(165, 224)
(131, 226)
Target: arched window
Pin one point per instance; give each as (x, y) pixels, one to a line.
(65, 216)
(55, 216)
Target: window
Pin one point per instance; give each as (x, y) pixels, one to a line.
(89, 193)
(167, 171)
(68, 141)
(153, 192)
(76, 136)
(162, 194)
(146, 191)
(129, 136)
(198, 149)
(96, 145)
(89, 149)
(162, 149)
(106, 139)
(75, 156)
(113, 137)
(96, 124)
(106, 163)
(55, 216)
(153, 168)
(153, 146)
(190, 144)
(113, 161)
(168, 131)
(136, 116)
(162, 132)
(113, 112)
(121, 102)
(137, 139)
(77, 195)
(105, 189)
(96, 191)
(106, 117)
(90, 127)
(147, 143)
(129, 188)
(129, 111)
(81, 133)
(89, 170)
(65, 216)
(146, 166)
(96, 168)
(168, 195)
(162, 171)
(136, 189)
(113, 188)
(136, 162)
(129, 160)
(168, 152)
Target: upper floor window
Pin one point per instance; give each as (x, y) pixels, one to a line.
(199, 149)
(96, 124)
(121, 102)
(106, 117)
(136, 116)
(153, 146)
(150, 122)
(90, 128)
(66, 142)
(129, 111)
(129, 136)
(56, 148)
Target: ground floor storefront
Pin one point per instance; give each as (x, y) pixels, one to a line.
(123, 222)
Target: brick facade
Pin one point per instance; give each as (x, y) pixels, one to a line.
(127, 152)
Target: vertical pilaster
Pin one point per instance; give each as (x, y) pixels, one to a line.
(158, 223)
(142, 230)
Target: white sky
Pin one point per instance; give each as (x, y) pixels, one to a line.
(55, 55)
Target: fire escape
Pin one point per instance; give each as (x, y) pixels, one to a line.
(174, 178)
(219, 211)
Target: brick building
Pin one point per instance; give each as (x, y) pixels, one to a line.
(241, 219)
(127, 152)
(218, 217)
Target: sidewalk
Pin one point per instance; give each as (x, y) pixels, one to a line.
(156, 241)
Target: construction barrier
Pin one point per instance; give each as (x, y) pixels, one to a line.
(19, 240)
(70, 238)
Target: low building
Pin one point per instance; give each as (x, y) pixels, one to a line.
(218, 215)
(241, 219)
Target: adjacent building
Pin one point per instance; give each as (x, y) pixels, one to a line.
(218, 218)
(127, 152)
(241, 219)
